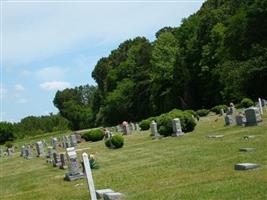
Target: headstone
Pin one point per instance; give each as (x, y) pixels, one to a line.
(9, 151)
(73, 165)
(40, 149)
(246, 137)
(246, 166)
(54, 142)
(240, 120)
(126, 128)
(253, 116)
(73, 140)
(113, 196)
(246, 149)
(22, 151)
(49, 152)
(154, 129)
(66, 142)
(28, 152)
(63, 161)
(56, 159)
(231, 109)
(260, 106)
(137, 127)
(108, 134)
(78, 137)
(176, 127)
(44, 142)
(119, 128)
(100, 193)
(222, 112)
(215, 136)
(132, 126)
(229, 120)
(89, 176)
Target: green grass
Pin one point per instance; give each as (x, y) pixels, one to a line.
(188, 167)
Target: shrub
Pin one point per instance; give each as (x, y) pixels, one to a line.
(93, 135)
(246, 102)
(115, 142)
(192, 112)
(145, 124)
(9, 144)
(217, 109)
(203, 112)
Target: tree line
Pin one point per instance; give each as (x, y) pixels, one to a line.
(217, 55)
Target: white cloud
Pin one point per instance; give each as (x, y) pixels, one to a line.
(35, 31)
(19, 87)
(51, 73)
(22, 100)
(54, 85)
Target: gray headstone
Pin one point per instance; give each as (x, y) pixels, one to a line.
(73, 140)
(240, 120)
(246, 166)
(253, 116)
(100, 193)
(56, 159)
(229, 120)
(222, 112)
(132, 126)
(113, 196)
(40, 149)
(78, 137)
(50, 152)
(9, 151)
(154, 129)
(22, 151)
(215, 136)
(28, 152)
(260, 106)
(246, 149)
(176, 127)
(63, 161)
(54, 142)
(73, 166)
(126, 129)
(137, 127)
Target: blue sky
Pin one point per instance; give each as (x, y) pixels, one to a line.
(48, 46)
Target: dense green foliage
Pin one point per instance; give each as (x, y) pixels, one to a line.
(218, 55)
(31, 126)
(202, 112)
(217, 109)
(93, 135)
(246, 102)
(76, 105)
(164, 122)
(6, 132)
(115, 142)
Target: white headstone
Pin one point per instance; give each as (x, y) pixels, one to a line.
(176, 127)
(260, 106)
(89, 176)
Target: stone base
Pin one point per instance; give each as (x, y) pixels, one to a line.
(73, 177)
(215, 136)
(246, 149)
(246, 166)
(100, 193)
(177, 134)
(113, 196)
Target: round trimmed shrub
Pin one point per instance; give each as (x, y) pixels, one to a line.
(217, 109)
(93, 135)
(115, 142)
(246, 103)
(145, 124)
(203, 112)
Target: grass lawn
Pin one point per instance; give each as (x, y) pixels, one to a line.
(188, 167)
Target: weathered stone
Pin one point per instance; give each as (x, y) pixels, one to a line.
(253, 116)
(28, 152)
(73, 140)
(54, 142)
(40, 149)
(113, 196)
(246, 149)
(176, 127)
(126, 128)
(74, 170)
(154, 130)
(246, 166)
(56, 159)
(63, 161)
(240, 120)
(215, 136)
(22, 151)
(229, 120)
(246, 137)
(50, 152)
(100, 193)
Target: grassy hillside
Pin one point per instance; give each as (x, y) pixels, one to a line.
(188, 167)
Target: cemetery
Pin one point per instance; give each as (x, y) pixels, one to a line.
(210, 161)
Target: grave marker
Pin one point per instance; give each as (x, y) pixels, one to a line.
(246, 166)
(40, 149)
(176, 127)
(253, 116)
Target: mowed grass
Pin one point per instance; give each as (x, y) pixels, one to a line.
(188, 167)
